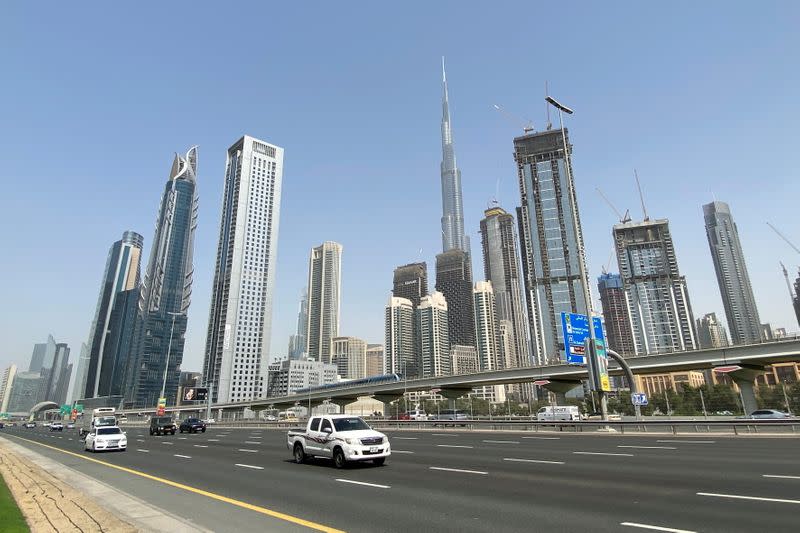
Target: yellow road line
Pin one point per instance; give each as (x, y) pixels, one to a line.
(213, 496)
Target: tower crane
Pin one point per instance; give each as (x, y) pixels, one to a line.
(788, 283)
(527, 127)
(622, 218)
(782, 236)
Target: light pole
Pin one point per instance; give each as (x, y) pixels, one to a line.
(169, 349)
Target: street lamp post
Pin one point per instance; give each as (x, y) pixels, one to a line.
(169, 349)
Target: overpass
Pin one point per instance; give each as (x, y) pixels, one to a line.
(742, 363)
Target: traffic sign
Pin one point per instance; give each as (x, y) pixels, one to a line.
(639, 398)
(575, 327)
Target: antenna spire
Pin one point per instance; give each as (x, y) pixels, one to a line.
(641, 196)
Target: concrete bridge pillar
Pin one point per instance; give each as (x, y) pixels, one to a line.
(744, 377)
(560, 387)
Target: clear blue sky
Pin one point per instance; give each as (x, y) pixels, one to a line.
(700, 97)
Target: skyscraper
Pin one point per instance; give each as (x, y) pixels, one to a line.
(375, 364)
(51, 388)
(796, 300)
(240, 320)
(731, 269)
(710, 333)
(488, 339)
(452, 205)
(619, 335)
(350, 357)
(399, 347)
(434, 343)
(501, 268)
(297, 342)
(165, 293)
(6, 383)
(82, 371)
(24, 392)
(411, 282)
(655, 292)
(121, 278)
(551, 240)
(324, 299)
(454, 280)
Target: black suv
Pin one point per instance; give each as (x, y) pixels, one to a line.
(161, 425)
(193, 425)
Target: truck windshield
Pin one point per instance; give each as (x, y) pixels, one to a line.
(349, 424)
(105, 421)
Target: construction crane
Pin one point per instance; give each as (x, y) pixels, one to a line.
(782, 236)
(622, 218)
(527, 127)
(788, 283)
(641, 196)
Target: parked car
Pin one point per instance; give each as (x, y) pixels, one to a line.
(193, 425)
(30, 424)
(161, 425)
(209, 421)
(56, 426)
(271, 418)
(106, 438)
(768, 413)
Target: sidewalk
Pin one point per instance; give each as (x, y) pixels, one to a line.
(56, 498)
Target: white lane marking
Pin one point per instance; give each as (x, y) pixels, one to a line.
(139, 440)
(248, 451)
(250, 466)
(251, 442)
(533, 461)
(183, 456)
(144, 451)
(459, 470)
(690, 441)
(604, 453)
(365, 484)
(252, 437)
(445, 434)
(655, 528)
(502, 441)
(181, 438)
(401, 451)
(170, 443)
(781, 477)
(213, 440)
(739, 497)
(60, 437)
(405, 438)
(201, 445)
(542, 438)
(452, 446)
(649, 447)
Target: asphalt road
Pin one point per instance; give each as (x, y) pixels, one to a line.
(451, 480)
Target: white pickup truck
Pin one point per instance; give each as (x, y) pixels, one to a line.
(342, 438)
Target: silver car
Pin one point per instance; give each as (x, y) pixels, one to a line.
(768, 413)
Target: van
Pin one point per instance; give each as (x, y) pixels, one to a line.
(450, 415)
(558, 412)
(417, 414)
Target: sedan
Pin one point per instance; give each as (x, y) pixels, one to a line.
(30, 424)
(106, 438)
(56, 426)
(193, 425)
(768, 413)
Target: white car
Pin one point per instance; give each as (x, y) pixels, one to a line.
(106, 438)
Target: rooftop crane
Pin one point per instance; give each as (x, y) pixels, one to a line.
(526, 128)
(788, 283)
(782, 236)
(622, 218)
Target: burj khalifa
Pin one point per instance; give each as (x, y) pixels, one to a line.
(452, 205)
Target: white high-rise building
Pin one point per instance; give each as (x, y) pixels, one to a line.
(434, 343)
(288, 376)
(487, 336)
(6, 383)
(349, 354)
(324, 299)
(240, 321)
(399, 346)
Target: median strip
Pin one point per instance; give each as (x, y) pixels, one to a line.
(365, 484)
(533, 461)
(655, 528)
(459, 470)
(740, 497)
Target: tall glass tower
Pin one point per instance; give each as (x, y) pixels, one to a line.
(324, 299)
(167, 289)
(732, 276)
(452, 204)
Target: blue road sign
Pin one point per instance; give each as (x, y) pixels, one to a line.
(576, 330)
(639, 398)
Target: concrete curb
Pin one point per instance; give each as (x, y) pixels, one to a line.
(143, 516)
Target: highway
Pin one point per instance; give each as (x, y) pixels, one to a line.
(454, 480)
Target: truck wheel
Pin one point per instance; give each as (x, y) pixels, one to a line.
(299, 454)
(338, 458)
(379, 461)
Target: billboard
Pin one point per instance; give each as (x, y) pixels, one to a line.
(195, 394)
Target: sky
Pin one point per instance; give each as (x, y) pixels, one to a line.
(95, 98)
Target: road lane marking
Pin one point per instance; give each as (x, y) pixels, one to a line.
(740, 497)
(533, 461)
(238, 503)
(365, 484)
(401, 451)
(444, 434)
(405, 438)
(649, 447)
(655, 528)
(170, 443)
(542, 438)
(181, 438)
(452, 446)
(781, 477)
(139, 440)
(458, 470)
(251, 442)
(248, 451)
(690, 441)
(604, 453)
(182, 456)
(201, 445)
(213, 440)
(143, 451)
(502, 441)
(250, 466)
(252, 437)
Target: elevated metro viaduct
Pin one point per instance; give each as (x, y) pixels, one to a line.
(742, 363)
